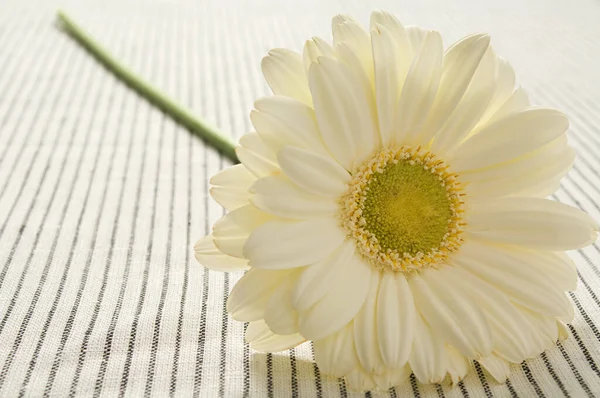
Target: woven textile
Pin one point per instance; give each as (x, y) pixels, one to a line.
(102, 196)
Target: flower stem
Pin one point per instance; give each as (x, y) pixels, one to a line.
(196, 125)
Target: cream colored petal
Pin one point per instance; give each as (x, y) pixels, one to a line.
(230, 186)
(390, 72)
(284, 121)
(315, 48)
(509, 138)
(359, 380)
(505, 87)
(284, 72)
(420, 89)
(256, 156)
(231, 231)
(335, 354)
(208, 255)
(512, 338)
(541, 179)
(458, 365)
(428, 359)
(445, 307)
(517, 101)
(497, 367)
(512, 169)
(544, 331)
(315, 173)
(279, 196)
(395, 320)
(249, 297)
(317, 279)
(281, 244)
(559, 268)
(391, 378)
(532, 222)
(416, 36)
(340, 304)
(512, 273)
(351, 35)
(280, 316)
(365, 329)
(262, 339)
(341, 103)
(470, 107)
(459, 66)
(393, 25)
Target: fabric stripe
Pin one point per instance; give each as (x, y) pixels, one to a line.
(95, 303)
(76, 237)
(49, 259)
(84, 279)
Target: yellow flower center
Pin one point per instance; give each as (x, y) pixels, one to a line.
(403, 208)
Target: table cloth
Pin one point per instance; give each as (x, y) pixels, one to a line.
(102, 196)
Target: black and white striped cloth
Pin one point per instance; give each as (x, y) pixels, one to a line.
(102, 196)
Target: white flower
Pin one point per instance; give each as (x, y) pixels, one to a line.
(390, 208)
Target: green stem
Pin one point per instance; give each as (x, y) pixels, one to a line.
(184, 116)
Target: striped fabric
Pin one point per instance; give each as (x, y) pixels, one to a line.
(102, 196)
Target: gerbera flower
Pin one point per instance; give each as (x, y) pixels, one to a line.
(390, 208)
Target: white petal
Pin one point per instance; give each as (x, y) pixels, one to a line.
(391, 378)
(315, 48)
(497, 367)
(512, 339)
(316, 280)
(232, 230)
(341, 106)
(390, 72)
(428, 359)
(470, 107)
(285, 121)
(277, 195)
(395, 319)
(445, 307)
(262, 339)
(207, 254)
(559, 268)
(280, 244)
(416, 36)
(460, 63)
(539, 180)
(508, 138)
(280, 316)
(335, 354)
(230, 186)
(544, 331)
(284, 72)
(517, 101)
(541, 157)
(256, 156)
(458, 365)
(341, 303)
(420, 88)
(505, 89)
(365, 330)
(512, 273)
(249, 297)
(360, 380)
(532, 222)
(350, 35)
(317, 174)
(393, 25)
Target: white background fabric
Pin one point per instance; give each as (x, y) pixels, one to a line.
(102, 196)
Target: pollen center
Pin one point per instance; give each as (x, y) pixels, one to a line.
(403, 209)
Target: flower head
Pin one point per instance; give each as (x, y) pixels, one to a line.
(390, 208)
